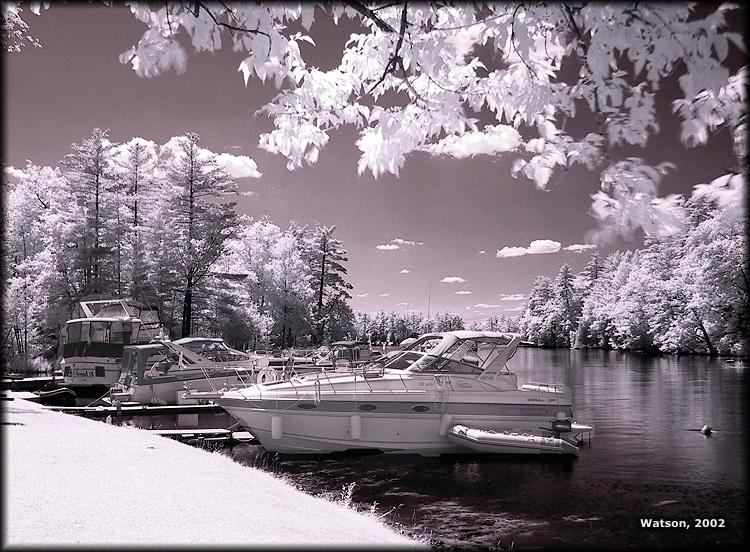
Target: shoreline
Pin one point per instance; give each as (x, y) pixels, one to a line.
(71, 480)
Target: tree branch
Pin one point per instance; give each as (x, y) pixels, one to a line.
(371, 15)
(229, 26)
(395, 58)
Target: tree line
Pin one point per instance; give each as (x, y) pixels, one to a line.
(682, 294)
(158, 224)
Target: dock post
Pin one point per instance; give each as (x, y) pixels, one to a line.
(186, 420)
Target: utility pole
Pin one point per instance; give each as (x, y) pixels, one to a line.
(429, 296)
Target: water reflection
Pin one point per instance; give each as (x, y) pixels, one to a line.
(647, 459)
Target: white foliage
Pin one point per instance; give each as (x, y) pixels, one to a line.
(423, 86)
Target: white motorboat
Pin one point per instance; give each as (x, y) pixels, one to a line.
(93, 343)
(156, 372)
(341, 355)
(408, 401)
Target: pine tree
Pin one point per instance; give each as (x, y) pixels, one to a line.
(325, 256)
(203, 216)
(90, 178)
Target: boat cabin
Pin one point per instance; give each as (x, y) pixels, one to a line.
(353, 351)
(483, 354)
(154, 360)
(212, 348)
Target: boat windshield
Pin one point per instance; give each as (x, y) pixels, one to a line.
(448, 354)
(216, 351)
(94, 331)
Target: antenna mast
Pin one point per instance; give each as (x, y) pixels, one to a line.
(429, 296)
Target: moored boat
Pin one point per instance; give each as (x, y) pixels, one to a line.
(507, 442)
(404, 402)
(343, 355)
(93, 342)
(155, 373)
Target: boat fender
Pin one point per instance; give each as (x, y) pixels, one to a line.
(445, 422)
(356, 423)
(276, 427)
(266, 375)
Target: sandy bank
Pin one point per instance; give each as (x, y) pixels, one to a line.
(70, 481)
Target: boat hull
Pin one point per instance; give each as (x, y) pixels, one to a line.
(304, 431)
(165, 392)
(91, 371)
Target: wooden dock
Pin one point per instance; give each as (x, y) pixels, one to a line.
(29, 383)
(225, 437)
(137, 410)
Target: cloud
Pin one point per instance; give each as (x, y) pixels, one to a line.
(238, 166)
(405, 271)
(484, 306)
(514, 309)
(404, 304)
(453, 280)
(490, 141)
(462, 292)
(511, 252)
(12, 171)
(387, 247)
(512, 297)
(579, 247)
(386, 294)
(482, 252)
(361, 295)
(536, 247)
(402, 241)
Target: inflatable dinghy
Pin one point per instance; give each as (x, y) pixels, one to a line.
(506, 442)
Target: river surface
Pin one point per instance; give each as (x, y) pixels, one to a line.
(646, 460)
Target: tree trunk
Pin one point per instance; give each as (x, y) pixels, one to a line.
(283, 327)
(711, 348)
(187, 308)
(97, 286)
(321, 287)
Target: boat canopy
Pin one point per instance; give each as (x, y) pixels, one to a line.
(463, 351)
(197, 349)
(349, 343)
(118, 308)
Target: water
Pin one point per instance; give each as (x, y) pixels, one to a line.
(646, 460)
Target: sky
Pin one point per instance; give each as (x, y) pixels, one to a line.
(442, 213)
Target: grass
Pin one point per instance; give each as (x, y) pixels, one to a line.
(269, 462)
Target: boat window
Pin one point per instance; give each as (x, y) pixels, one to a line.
(112, 311)
(129, 365)
(100, 332)
(425, 344)
(348, 354)
(160, 364)
(412, 360)
(121, 332)
(149, 316)
(445, 365)
(135, 328)
(73, 332)
(85, 327)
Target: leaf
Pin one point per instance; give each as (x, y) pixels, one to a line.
(721, 46)
(738, 40)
